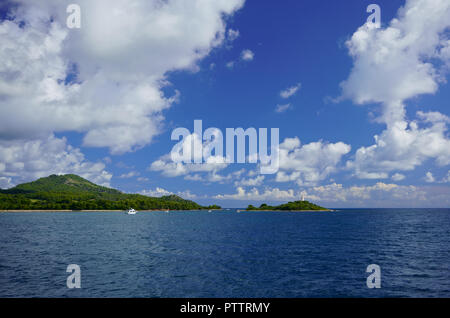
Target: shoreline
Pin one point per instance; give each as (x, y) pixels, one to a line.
(287, 210)
(158, 210)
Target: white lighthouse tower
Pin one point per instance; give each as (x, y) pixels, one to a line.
(303, 196)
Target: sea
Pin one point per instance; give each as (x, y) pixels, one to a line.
(226, 253)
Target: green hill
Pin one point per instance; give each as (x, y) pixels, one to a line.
(69, 183)
(290, 206)
(172, 197)
(72, 192)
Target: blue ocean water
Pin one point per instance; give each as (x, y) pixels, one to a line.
(226, 254)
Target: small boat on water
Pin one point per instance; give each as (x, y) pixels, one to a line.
(131, 211)
(209, 210)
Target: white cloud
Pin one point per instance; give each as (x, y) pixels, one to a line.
(192, 144)
(257, 181)
(283, 108)
(210, 176)
(31, 159)
(433, 117)
(117, 63)
(247, 55)
(159, 192)
(128, 175)
(392, 65)
(254, 194)
(207, 171)
(171, 169)
(336, 195)
(290, 91)
(6, 183)
(446, 178)
(309, 163)
(402, 147)
(122, 53)
(429, 177)
(379, 194)
(232, 34)
(194, 177)
(302, 164)
(187, 195)
(398, 177)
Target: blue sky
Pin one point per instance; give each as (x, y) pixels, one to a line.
(151, 69)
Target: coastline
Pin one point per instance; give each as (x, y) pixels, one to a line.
(287, 210)
(29, 211)
(158, 210)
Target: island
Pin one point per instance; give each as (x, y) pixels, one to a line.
(296, 206)
(73, 193)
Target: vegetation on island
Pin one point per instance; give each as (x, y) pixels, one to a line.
(72, 192)
(290, 206)
(214, 207)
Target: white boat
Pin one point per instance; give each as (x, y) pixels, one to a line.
(131, 211)
(209, 210)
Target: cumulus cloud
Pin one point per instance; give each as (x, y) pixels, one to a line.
(378, 195)
(188, 195)
(176, 164)
(309, 163)
(446, 178)
(105, 79)
(290, 91)
(192, 147)
(174, 169)
(118, 59)
(429, 177)
(402, 147)
(392, 65)
(29, 160)
(247, 55)
(398, 177)
(303, 164)
(159, 192)
(210, 176)
(250, 181)
(335, 195)
(269, 194)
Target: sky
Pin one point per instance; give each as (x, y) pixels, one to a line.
(362, 109)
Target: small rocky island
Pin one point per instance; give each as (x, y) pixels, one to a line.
(290, 206)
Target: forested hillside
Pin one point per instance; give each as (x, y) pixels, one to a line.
(71, 192)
